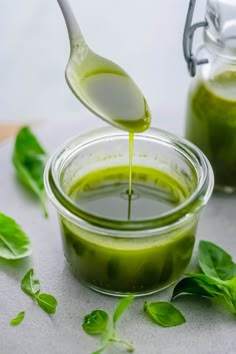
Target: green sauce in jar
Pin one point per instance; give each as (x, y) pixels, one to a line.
(211, 125)
(128, 264)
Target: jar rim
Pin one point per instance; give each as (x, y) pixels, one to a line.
(171, 219)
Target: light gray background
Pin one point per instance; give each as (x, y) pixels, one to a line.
(145, 38)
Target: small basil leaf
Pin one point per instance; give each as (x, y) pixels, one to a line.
(18, 319)
(14, 243)
(122, 307)
(189, 286)
(29, 159)
(29, 285)
(96, 322)
(47, 302)
(215, 262)
(164, 314)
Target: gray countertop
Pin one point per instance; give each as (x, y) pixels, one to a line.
(209, 328)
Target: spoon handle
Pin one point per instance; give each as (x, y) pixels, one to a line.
(74, 31)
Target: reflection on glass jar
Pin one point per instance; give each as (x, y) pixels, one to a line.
(211, 122)
(211, 113)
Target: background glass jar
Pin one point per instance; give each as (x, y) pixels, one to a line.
(141, 256)
(211, 112)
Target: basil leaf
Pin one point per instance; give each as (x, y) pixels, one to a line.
(29, 285)
(200, 284)
(164, 314)
(230, 294)
(122, 307)
(29, 159)
(189, 286)
(96, 322)
(213, 286)
(18, 319)
(215, 262)
(14, 243)
(47, 302)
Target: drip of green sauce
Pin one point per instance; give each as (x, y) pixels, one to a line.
(109, 92)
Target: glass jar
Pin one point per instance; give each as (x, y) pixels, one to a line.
(211, 112)
(139, 257)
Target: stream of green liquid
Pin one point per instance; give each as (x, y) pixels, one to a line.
(111, 93)
(104, 193)
(131, 149)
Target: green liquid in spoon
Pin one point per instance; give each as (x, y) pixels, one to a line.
(107, 90)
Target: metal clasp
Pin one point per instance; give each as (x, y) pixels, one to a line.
(189, 31)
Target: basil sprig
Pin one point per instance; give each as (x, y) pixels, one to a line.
(98, 322)
(218, 279)
(31, 287)
(29, 159)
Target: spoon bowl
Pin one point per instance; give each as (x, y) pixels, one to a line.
(102, 85)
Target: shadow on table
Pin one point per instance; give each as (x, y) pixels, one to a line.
(15, 268)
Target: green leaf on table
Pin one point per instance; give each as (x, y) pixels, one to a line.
(47, 302)
(215, 262)
(122, 307)
(99, 323)
(14, 243)
(164, 314)
(199, 284)
(18, 319)
(29, 159)
(96, 322)
(218, 280)
(30, 285)
(202, 285)
(189, 286)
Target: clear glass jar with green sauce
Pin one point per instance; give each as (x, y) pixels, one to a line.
(116, 245)
(211, 110)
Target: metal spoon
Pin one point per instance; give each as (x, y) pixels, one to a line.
(101, 85)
